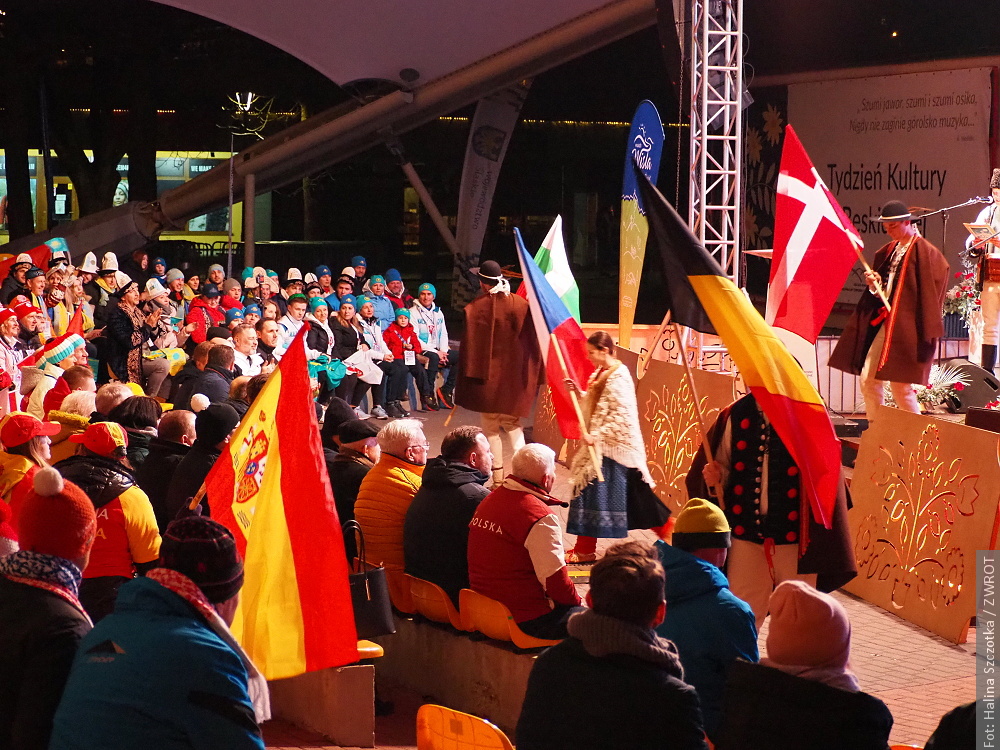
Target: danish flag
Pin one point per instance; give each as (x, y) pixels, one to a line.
(815, 246)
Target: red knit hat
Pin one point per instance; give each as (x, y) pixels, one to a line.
(56, 518)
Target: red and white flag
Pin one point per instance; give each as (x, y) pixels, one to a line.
(814, 243)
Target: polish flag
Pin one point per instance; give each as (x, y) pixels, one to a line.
(814, 246)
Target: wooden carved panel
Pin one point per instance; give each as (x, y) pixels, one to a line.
(670, 426)
(925, 499)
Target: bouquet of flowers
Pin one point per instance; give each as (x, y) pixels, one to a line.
(943, 388)
(963, 298)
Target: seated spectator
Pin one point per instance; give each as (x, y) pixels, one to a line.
(436, 531)
(429, 324)
(395, 290)
(192, 369)
(709, 625)
(269, 344)
(956, 730)
(173, 624)
(213, 428)
(804, 693)
(41, 619)
(26, 448)
(516, 551)
(343, 288)
(76, 378)
(360, 267)
(293, 320)
(358, 453)
(175, 434)
(246, 359)
(384, 310)
(630, 690)
(139, 415)
(338, 412)
(73, 416)
(108, 397)
(204, 313)
(251, 314)
(214, 382)
(238, 395)
(232, 295)
(53, 364)
(388, 489)
(401, 338)
(128, 541)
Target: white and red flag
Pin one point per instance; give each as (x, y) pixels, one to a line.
(814, 246)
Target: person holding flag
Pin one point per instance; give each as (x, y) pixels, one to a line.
(600, 509)
(898, 343)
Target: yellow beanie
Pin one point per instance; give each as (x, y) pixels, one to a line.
(701, 525)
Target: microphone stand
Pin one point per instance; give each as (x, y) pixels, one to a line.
(944, 212)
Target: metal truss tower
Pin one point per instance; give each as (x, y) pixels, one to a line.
(715, 213)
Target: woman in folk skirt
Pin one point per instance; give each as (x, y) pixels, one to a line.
(600, 509)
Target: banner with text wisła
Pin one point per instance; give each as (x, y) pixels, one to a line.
(921, 138)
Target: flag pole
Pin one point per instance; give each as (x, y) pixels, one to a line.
(576, 406)
(713, 489)
(196, 500)
(868, 269)
(645, 359)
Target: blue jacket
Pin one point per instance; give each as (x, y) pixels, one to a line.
(154, 674)
(383, 310)
(709, 625)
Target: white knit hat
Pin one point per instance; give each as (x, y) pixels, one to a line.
(154, 288)
(89, 263)
(109, 262)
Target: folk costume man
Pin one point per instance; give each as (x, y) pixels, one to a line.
(989, 251)
(500, 365)
(774, 535)
(896, 345)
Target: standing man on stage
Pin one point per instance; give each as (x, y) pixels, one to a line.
(500, 365)
(989, 251)
(896, 345)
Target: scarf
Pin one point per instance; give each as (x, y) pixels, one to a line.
(187, 590)
(502, 286)
(596, 390)
(604, 636)
(47, 572)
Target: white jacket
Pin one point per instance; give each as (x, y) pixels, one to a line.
(430, 327)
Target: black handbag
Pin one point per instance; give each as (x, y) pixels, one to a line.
(645, 509)
(369, 592)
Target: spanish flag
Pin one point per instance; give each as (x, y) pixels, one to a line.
(702, 297)
(272, 491)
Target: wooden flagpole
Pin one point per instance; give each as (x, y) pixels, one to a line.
(715, 490)
(868, 269)
(576, 406)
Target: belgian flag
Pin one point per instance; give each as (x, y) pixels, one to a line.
(702, 297)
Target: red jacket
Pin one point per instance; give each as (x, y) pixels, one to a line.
(204, 317)
(516, 554)
(395, 337)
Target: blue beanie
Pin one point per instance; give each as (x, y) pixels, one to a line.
(427, 287)
(362, 300)
(323, 271)
(252, 310)
(159, 261)
(376, 279)
(234, 314)
(359, 260)
(348, 299)
(393, 275)
(247, 273)
(317, 302)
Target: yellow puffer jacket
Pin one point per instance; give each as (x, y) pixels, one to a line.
(383, 499)
(72, 424)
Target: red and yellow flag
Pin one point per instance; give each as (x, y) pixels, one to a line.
(271, 490)
(702, 297)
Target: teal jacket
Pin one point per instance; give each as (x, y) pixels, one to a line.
(153, 674)
(710, 626)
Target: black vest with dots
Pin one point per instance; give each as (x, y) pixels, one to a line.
(753, 442)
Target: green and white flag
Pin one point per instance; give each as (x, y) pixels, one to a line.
(552, 260)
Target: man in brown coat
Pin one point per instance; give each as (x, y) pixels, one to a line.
(896, 346)
(500, 366)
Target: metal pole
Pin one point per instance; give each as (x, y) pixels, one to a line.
(430, 207)
(232, 181)
(249, 196)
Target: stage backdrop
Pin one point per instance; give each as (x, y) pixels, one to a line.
(922, 138)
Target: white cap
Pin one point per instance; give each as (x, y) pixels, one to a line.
(294, 273)
(349, 271)
(154, 288)
(122, 278)
(310, 278)
(109, 262)
(24, 258)
(89, 263)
